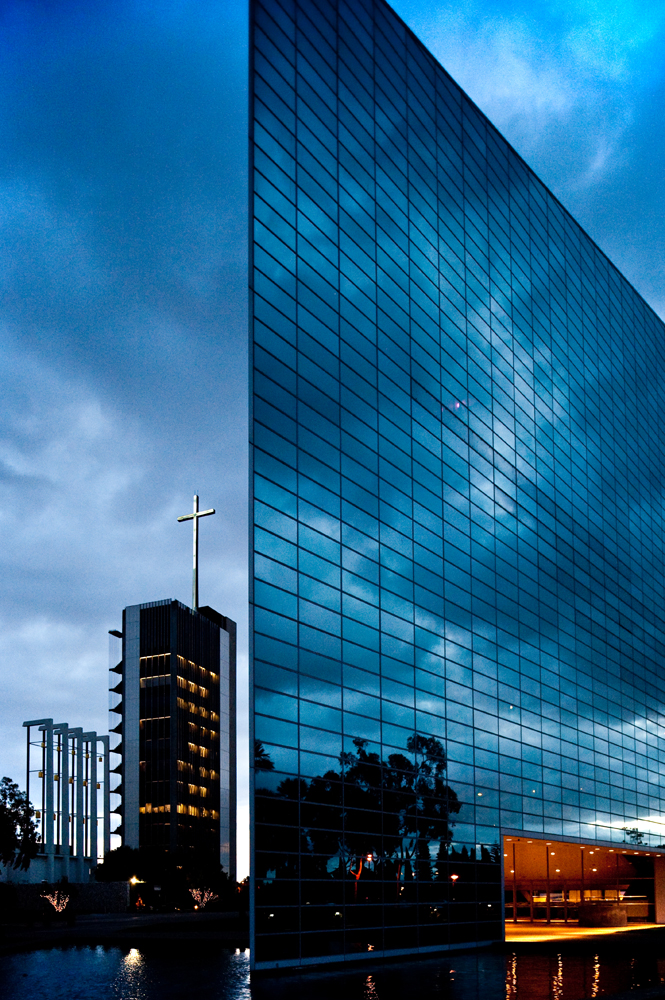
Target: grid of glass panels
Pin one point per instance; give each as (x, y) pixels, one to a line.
(457, 516)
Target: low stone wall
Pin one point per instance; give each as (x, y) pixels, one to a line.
(87, 897)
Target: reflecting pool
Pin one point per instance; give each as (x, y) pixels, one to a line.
(179, 972)
(125, 974)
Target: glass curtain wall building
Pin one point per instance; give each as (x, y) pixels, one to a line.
(457, 556)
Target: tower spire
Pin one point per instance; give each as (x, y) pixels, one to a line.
(194, 516)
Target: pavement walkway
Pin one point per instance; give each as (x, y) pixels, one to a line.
(525, 932)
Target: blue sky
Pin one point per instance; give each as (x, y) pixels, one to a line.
(123, 287)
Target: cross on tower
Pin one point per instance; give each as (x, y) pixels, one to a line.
(195, 572)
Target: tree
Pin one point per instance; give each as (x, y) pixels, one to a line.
(262, 761)
(373, 815)
(18, 830)
(120, 865)
(417, 801)
(175, 872)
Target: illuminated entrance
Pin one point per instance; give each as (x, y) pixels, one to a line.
(592, 885)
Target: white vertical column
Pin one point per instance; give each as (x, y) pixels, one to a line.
(66, 831)
(106, 807)
(84, 804)
(49, 819)
(46, 730)
(93, 833)
(80, 847)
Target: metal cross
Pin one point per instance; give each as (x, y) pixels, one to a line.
(195, 572)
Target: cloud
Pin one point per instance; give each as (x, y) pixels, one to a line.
(123, 346)
(610, 43)
(44, 659)
(89, 497)
(576, 88)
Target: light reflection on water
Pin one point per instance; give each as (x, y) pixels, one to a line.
(174, 972)
(125, 974)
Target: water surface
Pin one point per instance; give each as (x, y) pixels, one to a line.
(180, 971)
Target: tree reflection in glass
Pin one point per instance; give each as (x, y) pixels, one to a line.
(371, 821)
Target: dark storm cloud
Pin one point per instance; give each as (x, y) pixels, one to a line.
(123, 350)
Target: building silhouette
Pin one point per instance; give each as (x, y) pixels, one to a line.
(173, 702)
(457, 589)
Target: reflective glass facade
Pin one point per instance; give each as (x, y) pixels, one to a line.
(457, 558)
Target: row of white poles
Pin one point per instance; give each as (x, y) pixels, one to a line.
(69, 795)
